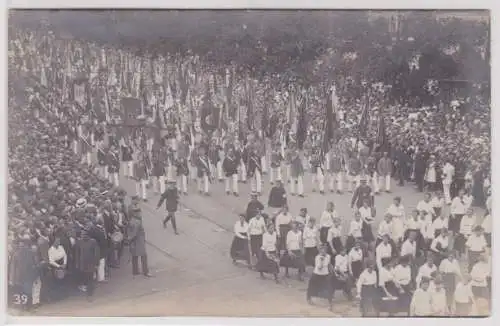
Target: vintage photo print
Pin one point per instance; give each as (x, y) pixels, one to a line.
(249, 163)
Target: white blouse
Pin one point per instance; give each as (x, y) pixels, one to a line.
(256, 226)
(384, 275)
(334, 232)
(396, 211)
(56, 254)
(366, 278)
(479, 274)
(384, 228)
(463, 293)
(409, 248)
(443, 241)
(476, 243)
(342, 263)
(457, 206)
(450, 267)
(310, 236)
(269, 241)
(321, 264)
(293, 240)
(467, 224)
(326, 220)
(283, 219)
(402, 274)
(239, 229)
(356, 254)
(355, 228)
(425, 271)
(439, 224)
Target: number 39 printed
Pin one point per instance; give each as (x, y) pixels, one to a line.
(20, 299)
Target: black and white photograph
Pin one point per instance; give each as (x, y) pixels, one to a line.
(248, 163)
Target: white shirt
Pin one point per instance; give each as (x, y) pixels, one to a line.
(443, 241)
(366, 213)
(355, 254)
(384, 228)
(283, 219)
(321, 265)
(382, 251)
(426, 229)
(448, 173)
(334, 232)
(396, 211)
(426, 206)
(468, 201)
(457, 206)
(293, 240)
(310, 236)
(463, 293)
(385, 275)
(342, 263)
(56, 254)
(440, 223)
(467, 224)
(239, 229)
(439, 303)
(413, 224)
(450, 267)
(437, 202)
(402, 274)
(425, 271)
(269, 241)
(355, 228)
(421, 303)
(476, 243)
(366, 278)
(479, 274)
(256, 226)
(409, 248)
(301, 219)
(326, 220)
(487, 224)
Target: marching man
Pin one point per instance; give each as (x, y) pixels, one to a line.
(448, 174)
(141, 174)
(158, 160)
(113, 159)
(384, 169)
(203, 167)
(230, 167)
(101, 160)
(297, 175)
(317, 172)
(127, 160)
(85, 146)
(354, 171)
(182, 173)
(255, 170)
(335, 169)
(276, 159)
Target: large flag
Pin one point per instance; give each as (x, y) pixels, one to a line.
(209, 113)
(264, 125)
(302, 124)
(249, 100)
(364, 121)
(331, 122)
(381, 133)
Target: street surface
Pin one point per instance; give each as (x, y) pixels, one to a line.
(193, 273)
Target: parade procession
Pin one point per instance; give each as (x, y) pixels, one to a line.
(361, 183)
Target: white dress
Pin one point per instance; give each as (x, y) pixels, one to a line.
(431, 173)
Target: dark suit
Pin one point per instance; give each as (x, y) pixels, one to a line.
(171, 199)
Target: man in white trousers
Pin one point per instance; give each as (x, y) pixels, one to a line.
(275, 171)
(182, 174)
(448, 174)
(297, 175)
(230, 167)
(255, 171)
(141, 174)
(203, 172)
(335, 170)
(384, 170)
(317, 168)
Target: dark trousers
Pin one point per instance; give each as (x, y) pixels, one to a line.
(144, 265)
(400, 173)
(87, 279)
(171, 217)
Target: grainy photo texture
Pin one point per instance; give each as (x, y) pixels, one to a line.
(254, 163)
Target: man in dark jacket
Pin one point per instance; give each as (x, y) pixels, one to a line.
(362, 193)
(136, 237)
(87, 260)
(254, 207)
(171, 196)
(277, 196)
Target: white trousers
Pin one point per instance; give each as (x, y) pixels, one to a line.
(336, 176)
(203, 184)
(183, 183)
(220, 174)
(101, 275)
(275, 174)
(318, 178)
(446, 191)
(300, 185)
(159, 181)
(36, 290)
(375, 183)
(194, 173)
(75, 147)
(263, 163)
(114, 179)
(386, 181)
(257, 182)
(231, 182)
(128, 168)
(170, 172)
(104, 172)
(140, 188)
(288, 169)
(243, 172)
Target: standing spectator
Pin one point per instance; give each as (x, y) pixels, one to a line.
(87, 258)
(137, 244)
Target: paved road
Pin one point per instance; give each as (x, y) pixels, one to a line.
(193, 273)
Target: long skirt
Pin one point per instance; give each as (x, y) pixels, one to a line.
(267, 265)
(255, 243)
(320, 286)
(284, 228)
(481, 292)
(386, 304)
(449, 284)
(369, 299)
(459, 244)
(239, 249)
(357, 268)
(323, 234)
(337, 245)
(349, 243)
(367, 233)
(310, 255)
(296, 260)
(454, 223)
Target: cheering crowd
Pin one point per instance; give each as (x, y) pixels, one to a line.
(69, 221)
